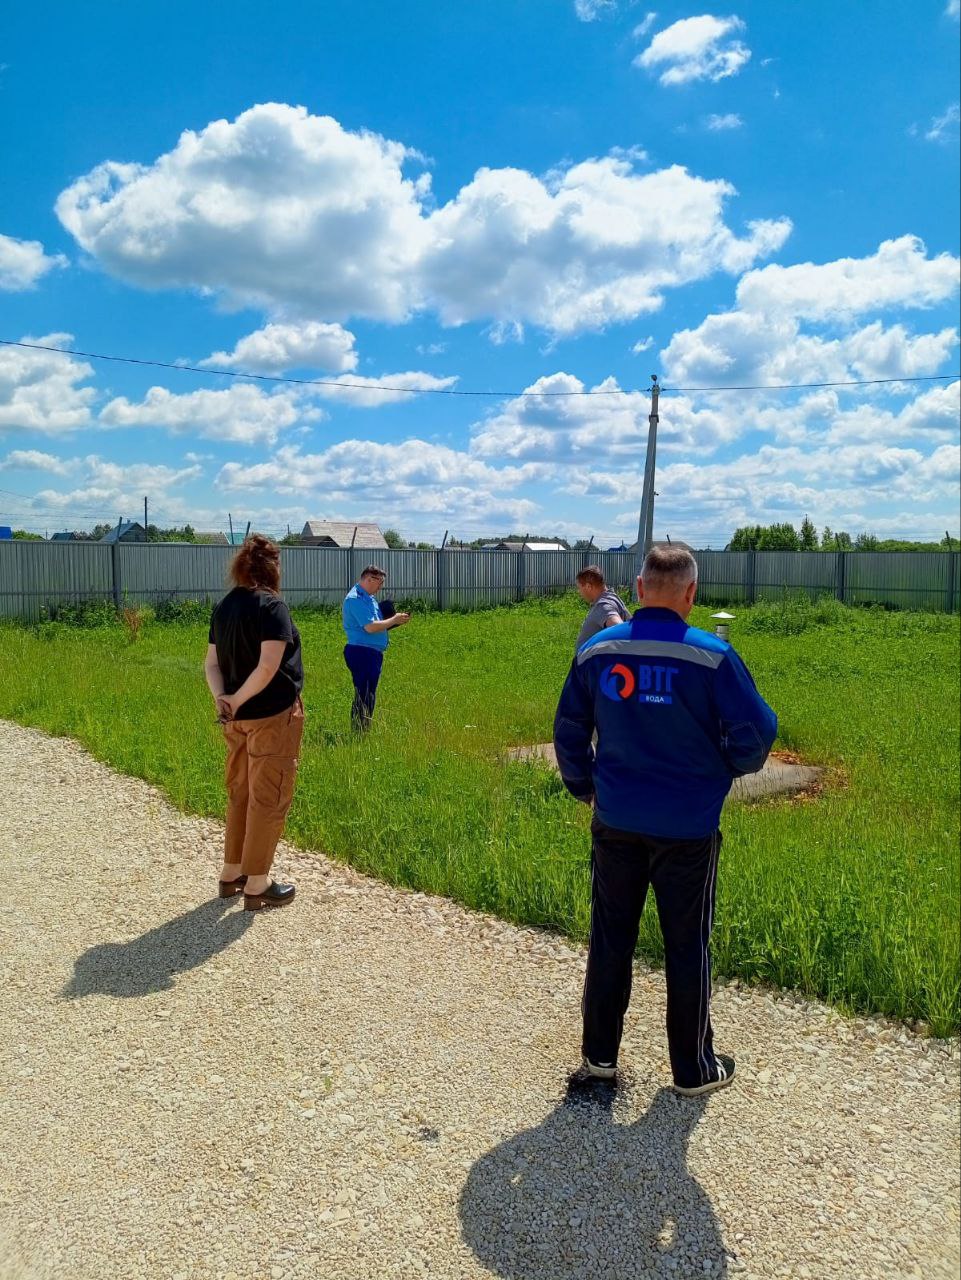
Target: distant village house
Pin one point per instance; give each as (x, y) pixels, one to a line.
(342, 533)
(128, 531)
(526, 546)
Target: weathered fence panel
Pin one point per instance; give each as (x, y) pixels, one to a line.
(811, 573)
(723, 576)
(904, 579)
(477, 579)
(34, 575)
(153, 571)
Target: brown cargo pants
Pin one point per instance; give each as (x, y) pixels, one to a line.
(262, 758)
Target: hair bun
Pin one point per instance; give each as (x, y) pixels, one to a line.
(256, 564)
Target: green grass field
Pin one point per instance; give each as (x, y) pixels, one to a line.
(853, 897)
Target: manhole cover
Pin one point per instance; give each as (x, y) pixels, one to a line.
(779, 777)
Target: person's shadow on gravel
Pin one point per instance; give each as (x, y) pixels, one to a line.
(581, 1196)
(148, 963)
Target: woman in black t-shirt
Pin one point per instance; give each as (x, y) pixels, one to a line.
(255, 673)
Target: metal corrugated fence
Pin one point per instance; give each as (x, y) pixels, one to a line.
(32, 574)
(39, 575)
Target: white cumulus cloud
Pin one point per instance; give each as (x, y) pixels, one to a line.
(23, 263)
(752, 348)
(932, 417)
(278, 347)
(41, 390)
(943, 128)
(35, 460)
(720, 124)
(393, 483)
(293, 213)
(799, 323)
(106, 487)
(899, 274)
(240, 414)
(700, 48)
(553, 422)
(783, 483)
(591, 10)
(644, 26)
(597, 244)
(277, 206)
(359, 392)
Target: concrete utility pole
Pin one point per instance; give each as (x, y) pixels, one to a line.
(645, 526)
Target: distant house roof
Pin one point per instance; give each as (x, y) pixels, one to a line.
(343, 533)
(67, 536)
(623, 547)
(216, 538)
(524, 546)
(129, 531)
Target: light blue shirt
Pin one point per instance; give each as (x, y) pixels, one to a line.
(360, 607)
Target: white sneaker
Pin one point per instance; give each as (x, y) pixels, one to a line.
(601, 1070)
(725, 1074)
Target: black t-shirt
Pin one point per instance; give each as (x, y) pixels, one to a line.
(238, 624)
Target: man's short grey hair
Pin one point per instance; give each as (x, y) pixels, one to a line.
(668, 569)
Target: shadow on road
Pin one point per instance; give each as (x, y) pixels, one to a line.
(148, 963)
(584, 1195)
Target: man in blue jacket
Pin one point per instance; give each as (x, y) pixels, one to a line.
(678, 718)
(366, 630)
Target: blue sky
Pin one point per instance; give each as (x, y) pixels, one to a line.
(522, 197)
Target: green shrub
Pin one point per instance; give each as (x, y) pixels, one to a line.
(90, 615)
(183, 612)
(795, 612)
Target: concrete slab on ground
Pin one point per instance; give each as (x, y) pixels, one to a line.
(777, 778)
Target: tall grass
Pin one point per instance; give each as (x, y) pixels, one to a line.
(853, 897)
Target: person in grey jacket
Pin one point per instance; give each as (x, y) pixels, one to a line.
(606, 607)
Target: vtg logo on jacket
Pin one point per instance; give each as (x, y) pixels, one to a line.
(650, 683)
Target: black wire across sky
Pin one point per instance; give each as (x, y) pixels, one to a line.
(368, 389)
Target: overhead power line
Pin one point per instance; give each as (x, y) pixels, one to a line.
(455, 391)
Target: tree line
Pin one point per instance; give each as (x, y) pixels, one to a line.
(784, 537)
(756, 537)
(187, 533)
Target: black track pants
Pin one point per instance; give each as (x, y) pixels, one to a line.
(683, 875)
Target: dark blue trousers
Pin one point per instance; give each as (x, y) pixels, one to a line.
(683, 875)
(365, 665)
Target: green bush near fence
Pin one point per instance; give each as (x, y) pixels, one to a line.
(853, 897)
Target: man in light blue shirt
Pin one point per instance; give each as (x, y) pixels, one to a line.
(366, 629)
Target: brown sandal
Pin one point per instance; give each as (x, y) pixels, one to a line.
(230, 888)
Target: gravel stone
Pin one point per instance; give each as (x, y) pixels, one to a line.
(373, 1083)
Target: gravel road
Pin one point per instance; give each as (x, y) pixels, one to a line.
(372, 1084)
